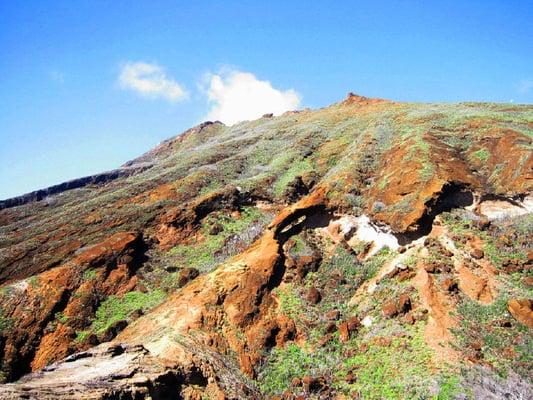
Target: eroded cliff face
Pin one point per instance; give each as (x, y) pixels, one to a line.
(327, 240)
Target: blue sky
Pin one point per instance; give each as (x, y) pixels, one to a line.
(87, 85)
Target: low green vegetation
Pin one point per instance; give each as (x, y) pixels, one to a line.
(347, 265)
(114, 309)
(61, 318)
(283, 365)
(396, 367)
(224, 235)
(487, 332)
(508, 241)
(481, 154)
(295, 169)
(389, 359)
(450, 387)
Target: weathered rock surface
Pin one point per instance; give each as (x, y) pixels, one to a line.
(522, 310)
(35, 339)
(118, 371)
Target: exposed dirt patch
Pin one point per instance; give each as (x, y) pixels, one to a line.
(476, 277)
(437, 333)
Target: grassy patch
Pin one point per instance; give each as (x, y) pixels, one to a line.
(116, 308)
(232, 236)
(390, 360)
(295, 169)
(291, 301)
(483, 335)
(397, 370)
(482, 155)
(450, 387)
(282, 366)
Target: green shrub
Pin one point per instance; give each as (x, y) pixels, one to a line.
(295, 169)
(449, 388)
(395, 371)
(235, 234)
(282, 366)
(482, 155)
(116, 308)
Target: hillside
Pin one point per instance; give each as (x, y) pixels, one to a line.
(370, 249)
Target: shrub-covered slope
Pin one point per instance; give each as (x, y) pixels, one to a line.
(370, 248)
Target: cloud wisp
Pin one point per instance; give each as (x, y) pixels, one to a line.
(150, 80)
(238, 96)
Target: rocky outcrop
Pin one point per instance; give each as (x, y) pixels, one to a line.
(47, 311)
(522, 310)
(235, 299)
(119, 371)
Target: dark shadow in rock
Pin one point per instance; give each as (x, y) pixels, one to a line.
(452, 195)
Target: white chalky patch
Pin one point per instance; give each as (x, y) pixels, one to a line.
(380, 236)
(499, 209)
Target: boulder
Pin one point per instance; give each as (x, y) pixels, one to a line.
(314, 296)
(348, 328)
(351, 378)
(409, 318)
(448, 285)
(353, 324)
(522, 311)
(314, 384)
(389, 309)
(330, 327)
(477, 254)
(333, 315)
(186, 275)
(344, 333)
(405, 274)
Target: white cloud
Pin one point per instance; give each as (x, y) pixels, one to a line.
(150, 80)
(238, 96)
(525, 86)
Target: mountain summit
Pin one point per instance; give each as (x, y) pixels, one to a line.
(370, 249)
